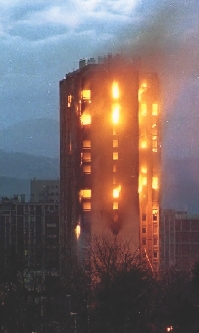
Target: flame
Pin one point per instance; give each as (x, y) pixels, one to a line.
(143, 144)
(78, 230)
(143, 169)
(115, 205)
(85, 119)
(115, 90)
(116, 192)
(142, 89)
(144, 180)
(115, 113)
(86, 94)
(143, 109)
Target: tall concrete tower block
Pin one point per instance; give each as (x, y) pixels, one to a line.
(110, 155)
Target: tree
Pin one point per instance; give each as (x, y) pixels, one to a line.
(173, 302)
(121, 286)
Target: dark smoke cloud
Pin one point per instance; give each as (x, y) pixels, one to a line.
(166, 37)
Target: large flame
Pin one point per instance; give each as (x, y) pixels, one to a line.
(116, 192)
(85, 119)
(115, 90)
(115, 113)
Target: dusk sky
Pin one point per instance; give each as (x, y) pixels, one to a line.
(41, 41)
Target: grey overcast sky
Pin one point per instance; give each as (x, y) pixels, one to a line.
(41, 41)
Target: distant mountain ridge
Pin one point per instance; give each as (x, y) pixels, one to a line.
(35, 136)
(26, 166)
(31, 149)
(17, 169)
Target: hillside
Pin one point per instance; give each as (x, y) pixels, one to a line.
(35, 136)
(16, 170)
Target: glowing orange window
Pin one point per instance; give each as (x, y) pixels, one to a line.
(85, 119)
(115, 143)
(86, 143)
(115, 205)
(86, 157)
(155, 184)
(87, 168)
(86, 193)
(154, 109)
(86, 94)
(86, 206)
(115, 155)
(143, 109)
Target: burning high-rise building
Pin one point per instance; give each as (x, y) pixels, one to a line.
(110, 155)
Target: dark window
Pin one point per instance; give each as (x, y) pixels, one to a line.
(143, 241)
(143, 217)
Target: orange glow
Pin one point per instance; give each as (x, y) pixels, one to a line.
(143, 109)
(115, 90)
(115, 113)
(78, 230)
(87, 168)
(86, 193)
(86, 94)
(86, 157)
(86, 143)
(144, 169)
(143, 144)
(114, 168)
(86, 206)
(85, 119)
(114, 131)
(144, 180)
(69, 100)
(115, 205)
(155, 184)
(115, 143)
(154, 109)
(115, 155)
(116, 192)
(143, 88)
(154, 146)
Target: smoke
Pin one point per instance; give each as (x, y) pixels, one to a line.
(166, 38)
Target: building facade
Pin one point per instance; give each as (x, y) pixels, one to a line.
(44, 190)
(179, 239)
(110, 155)
(29, 235)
